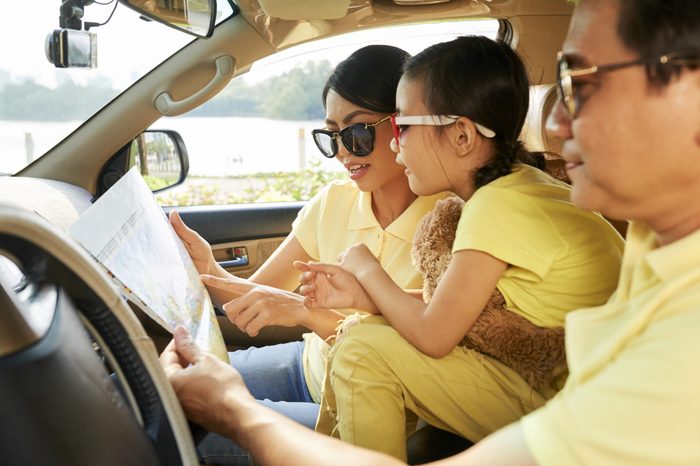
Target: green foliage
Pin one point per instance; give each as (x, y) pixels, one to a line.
(294, 95)
(69, 101)
(155, 183)
(297, 92)
(268, 187)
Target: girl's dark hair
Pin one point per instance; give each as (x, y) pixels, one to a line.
(368, 78)
(484, 80)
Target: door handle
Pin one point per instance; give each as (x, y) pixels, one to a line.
(239, 258)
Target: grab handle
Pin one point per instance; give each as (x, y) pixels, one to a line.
(165, 104)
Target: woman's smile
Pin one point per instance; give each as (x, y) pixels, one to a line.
(357, 170)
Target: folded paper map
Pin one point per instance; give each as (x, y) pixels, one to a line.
(128, 233)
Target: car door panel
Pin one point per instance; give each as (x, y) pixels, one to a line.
(251, 232)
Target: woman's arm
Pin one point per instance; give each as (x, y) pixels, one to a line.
(278, 270)
(260, 306)
(266, 298)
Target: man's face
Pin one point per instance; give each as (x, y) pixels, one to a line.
(630, 148)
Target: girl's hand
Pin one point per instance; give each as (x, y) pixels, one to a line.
(330, 286)
(357, 260)
(197, 247)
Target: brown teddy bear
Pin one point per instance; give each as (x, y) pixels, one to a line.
(536, 353)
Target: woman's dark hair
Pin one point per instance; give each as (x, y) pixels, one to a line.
(653, 28)
(368, 78)
(484, 80)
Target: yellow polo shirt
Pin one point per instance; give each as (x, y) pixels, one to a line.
(633, 393)
(560, 257)
(339, 216)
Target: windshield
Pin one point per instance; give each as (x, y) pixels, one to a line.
(41, 104)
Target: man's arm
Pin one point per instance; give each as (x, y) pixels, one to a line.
(213, 395)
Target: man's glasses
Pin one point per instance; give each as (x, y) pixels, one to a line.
(401, 123)
(569, 89)
(357, 138)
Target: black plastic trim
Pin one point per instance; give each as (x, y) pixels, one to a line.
(227, 223)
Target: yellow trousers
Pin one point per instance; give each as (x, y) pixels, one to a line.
(374, 377)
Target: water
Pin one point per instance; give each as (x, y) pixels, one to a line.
(217, 146)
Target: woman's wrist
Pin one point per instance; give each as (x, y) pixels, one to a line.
(216, 270)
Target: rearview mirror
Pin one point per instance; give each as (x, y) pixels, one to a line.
(194, 17)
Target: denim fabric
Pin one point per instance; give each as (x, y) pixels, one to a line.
(275, 377)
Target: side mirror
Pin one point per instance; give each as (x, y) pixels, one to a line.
(161, 158)
(194, 17)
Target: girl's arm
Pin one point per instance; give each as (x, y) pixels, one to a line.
(434, 328)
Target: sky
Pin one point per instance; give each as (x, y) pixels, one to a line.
(23, 37)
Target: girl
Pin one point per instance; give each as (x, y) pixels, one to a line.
(461, 106)
(375, 207)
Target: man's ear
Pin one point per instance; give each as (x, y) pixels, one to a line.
(465, 136)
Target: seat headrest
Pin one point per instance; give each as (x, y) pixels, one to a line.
(543, 97)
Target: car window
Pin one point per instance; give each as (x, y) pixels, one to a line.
(40, 104)
(252, 142)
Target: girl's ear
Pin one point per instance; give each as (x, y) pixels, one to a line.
(465, 136)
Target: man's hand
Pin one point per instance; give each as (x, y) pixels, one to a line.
(330, 286)
(210, 391)
(259, 305)
(197, 247)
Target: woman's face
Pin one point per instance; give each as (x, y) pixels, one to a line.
(419, 148)
(376, 170)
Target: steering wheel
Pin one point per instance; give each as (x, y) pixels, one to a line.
(64, 328)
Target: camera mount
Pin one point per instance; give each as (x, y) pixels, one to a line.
(71, 13)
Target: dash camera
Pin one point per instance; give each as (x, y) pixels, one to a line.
(68, 48)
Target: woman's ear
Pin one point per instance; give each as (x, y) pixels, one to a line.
(465, 136)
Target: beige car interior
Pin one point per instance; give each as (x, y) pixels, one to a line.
(60, 185)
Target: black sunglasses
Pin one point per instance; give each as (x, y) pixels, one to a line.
(357, 138)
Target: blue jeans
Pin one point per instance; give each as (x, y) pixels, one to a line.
(275, 377)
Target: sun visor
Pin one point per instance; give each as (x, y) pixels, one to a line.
(309, 9)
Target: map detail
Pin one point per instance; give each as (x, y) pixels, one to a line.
(128, 233)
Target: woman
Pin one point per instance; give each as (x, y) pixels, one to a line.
(461, 107)
(359, 98)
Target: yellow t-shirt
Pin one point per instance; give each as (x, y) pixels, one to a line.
(560, 257)
(339, 216)
(633, 393)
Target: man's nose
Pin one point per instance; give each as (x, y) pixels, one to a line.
(558, 122)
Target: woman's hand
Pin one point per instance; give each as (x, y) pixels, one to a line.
(332, 287)
(209, 390)
(259, 305)
(197, 247)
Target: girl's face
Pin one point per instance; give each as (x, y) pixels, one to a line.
(376, 170)
(420, 148)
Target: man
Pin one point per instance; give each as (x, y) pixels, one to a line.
(630, 118)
